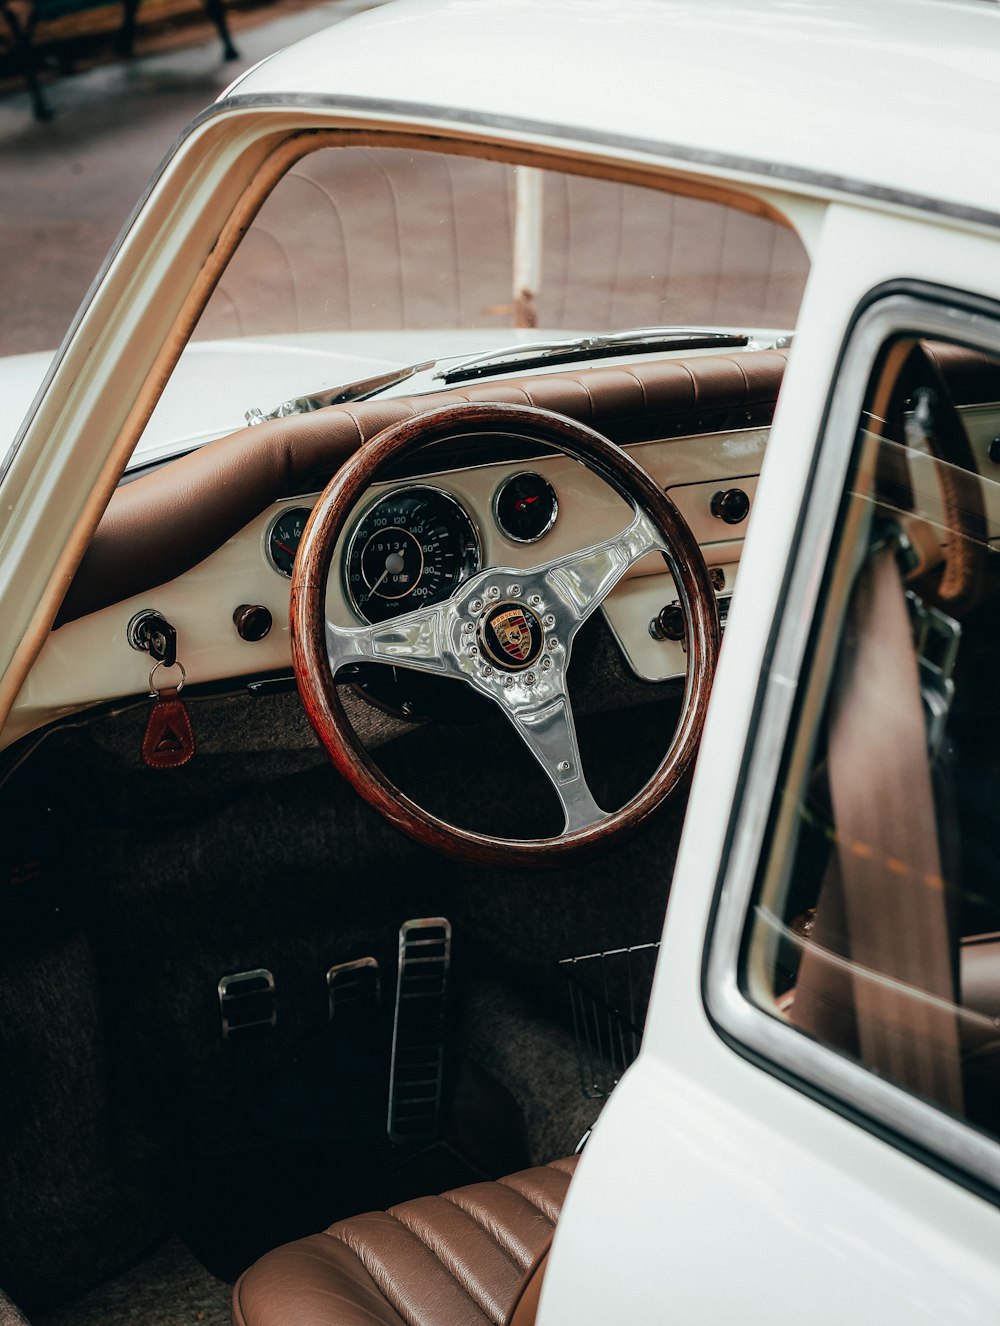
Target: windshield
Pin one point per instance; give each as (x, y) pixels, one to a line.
(364, 260)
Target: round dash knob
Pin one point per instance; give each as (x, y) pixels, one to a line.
(731, 505)
(252, 621)
(668, 624)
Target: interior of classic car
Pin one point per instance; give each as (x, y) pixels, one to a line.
(321, 896)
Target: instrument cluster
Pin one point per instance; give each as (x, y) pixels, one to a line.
(415, 545)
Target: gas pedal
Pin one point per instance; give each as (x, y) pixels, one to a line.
(416, 1073)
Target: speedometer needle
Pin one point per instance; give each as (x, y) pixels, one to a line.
(376, 585)
(394, 563)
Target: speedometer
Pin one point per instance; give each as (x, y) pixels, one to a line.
(410, 548)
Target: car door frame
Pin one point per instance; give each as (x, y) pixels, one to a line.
(710, 1151)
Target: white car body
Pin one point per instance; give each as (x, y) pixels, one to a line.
(714, 1188)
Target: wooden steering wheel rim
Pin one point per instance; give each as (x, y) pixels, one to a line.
(315, 677)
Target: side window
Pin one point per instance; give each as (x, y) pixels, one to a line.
(875, 928)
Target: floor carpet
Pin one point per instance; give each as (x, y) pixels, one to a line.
(169, 1288)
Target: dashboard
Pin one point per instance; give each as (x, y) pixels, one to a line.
(410, 540)
(431, 533)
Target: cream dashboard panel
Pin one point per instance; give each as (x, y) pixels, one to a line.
(90, 661)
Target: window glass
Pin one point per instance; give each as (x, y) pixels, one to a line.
(364, 239)
(876, 924)
(363, 261)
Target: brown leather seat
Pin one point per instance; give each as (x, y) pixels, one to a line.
(466, 1258)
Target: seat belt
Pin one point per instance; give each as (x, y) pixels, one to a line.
(877, 977)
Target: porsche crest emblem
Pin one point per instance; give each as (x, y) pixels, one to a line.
(511, 635)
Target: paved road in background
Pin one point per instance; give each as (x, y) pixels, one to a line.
(68, 186)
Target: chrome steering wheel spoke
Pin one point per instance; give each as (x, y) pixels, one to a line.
(581, 581)
(420, 640)
(546, 727)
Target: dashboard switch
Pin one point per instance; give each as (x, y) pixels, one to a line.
(668, 624)
(252, 621)
(731, 505)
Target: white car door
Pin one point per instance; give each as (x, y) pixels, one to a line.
(758, 1162)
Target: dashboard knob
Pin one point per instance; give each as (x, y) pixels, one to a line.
(252, 621)
(731, 505)
(668, 624)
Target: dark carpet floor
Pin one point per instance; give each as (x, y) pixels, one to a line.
(169, 1288)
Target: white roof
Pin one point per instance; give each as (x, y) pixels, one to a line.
(898, 94)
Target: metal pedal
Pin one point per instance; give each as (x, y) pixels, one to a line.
(353, 988)
(416, 1072)
(246, 1001)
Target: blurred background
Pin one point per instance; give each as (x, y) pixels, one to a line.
(67, 185)
(420, 244)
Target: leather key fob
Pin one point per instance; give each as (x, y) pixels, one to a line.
(168, 741)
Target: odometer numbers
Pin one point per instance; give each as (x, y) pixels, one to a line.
(409, 549)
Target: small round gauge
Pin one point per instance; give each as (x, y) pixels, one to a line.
(525, 507)
(409, 549)
(284, 536)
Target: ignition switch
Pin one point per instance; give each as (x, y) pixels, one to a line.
(150, 633)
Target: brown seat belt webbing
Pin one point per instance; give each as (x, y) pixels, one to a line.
(886, 880)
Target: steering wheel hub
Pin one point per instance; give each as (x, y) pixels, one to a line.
(511, 635)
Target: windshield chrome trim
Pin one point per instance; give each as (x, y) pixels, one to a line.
(812, 1065)
(774, 172)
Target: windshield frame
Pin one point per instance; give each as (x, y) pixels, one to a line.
(70, 452)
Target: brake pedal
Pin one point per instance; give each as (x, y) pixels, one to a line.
(353, 989)
(416, 1073)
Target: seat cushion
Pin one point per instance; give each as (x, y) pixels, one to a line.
(455, 1260)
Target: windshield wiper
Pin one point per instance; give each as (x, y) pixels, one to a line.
(531, 354)
(540, 354)
(353, 391)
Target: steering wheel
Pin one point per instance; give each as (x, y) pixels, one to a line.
(506, 632)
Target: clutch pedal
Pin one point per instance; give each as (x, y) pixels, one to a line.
(246, 1003)
(416, 1073)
